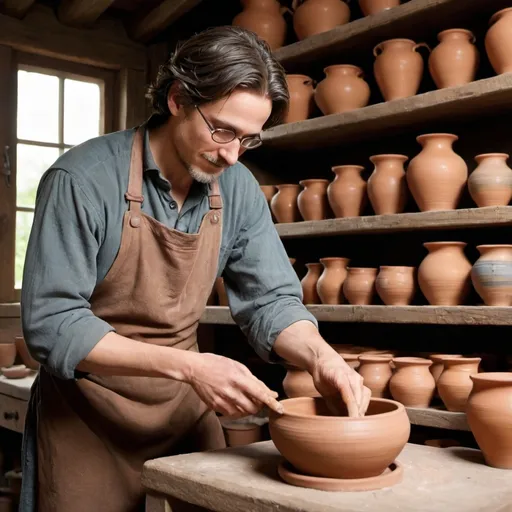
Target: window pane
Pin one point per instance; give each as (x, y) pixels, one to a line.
(23, 226)
(38, 107)
(31, 163)
(81, 111)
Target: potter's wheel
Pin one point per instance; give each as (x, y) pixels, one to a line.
(391, 476)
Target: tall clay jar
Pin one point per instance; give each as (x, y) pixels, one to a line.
(264, 17)
(316, 16)
(454, 61)
(376, 372)
(309, 282)
(298, 382)
(438, 364)
(491, 274)
(359, 285)
(498, 41)
(489, 415)
(284, 203)
(398, 68)
(387, 185)
(342, 89)
(444, 275)
(396, 286)
(302, 103)
(454, 385)
(490, 184)
(347, 192)
(437, 176)
(330, 283)
(369, 7)
(412, 383)
(312, 201)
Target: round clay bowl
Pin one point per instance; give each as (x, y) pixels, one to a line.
(16, 372)
(318, 444)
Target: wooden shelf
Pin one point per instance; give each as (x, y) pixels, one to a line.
(438, 418)
(433, 315)
(466, 101)
(448, 219)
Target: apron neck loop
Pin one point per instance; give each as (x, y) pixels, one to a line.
(134, 193)
(214, 197)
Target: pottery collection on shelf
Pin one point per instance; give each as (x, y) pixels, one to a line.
(16, 361)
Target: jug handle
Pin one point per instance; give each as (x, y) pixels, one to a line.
(284, 9)
(376, 50)
(295, 5)
(419, 45)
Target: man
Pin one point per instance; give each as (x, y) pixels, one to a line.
(130, 231)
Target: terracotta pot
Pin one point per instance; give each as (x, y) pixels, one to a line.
(264, 17)
(369, 7)
(284, 203)
(387, 185)
(444, 276)
(437, 175)
(454, 61)
(396, 286)
(330, 283)
(454, 384)
(351, 359)
(490, 184)
(376, 372)
(489, 415)
(220, 288)
(22, 349)
(441, 443)
(498, 41)
(19, 371)
(491, 274)
(302, 103)
(359, 285)
(438, 364)
(347, 192)
(269, 192)
(398, 68)
(412, 383)
(298, 383)
(312, 201)
(7, 354)
(309, 282)
(316, 16)
(342, 89)
(239, 433)
(319, 444)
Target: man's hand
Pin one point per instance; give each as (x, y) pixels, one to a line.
(228, 387)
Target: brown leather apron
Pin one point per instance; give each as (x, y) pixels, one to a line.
(95, 433)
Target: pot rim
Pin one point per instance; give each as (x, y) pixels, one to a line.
(310, 181)
(497, 14)
(442, 357)
(461, 30)
(375, 358)
(338, 66)
(426, 136)
(298, 75)
(315, 264)
(288, 185)
(462, 360)
(448, 242)
(399, 266)
(338, 258)
(399, 39)
(412, 360)
(492, 377)
(494, 246)
(491, 155)
(383, 156)
(363, 270)
(347, 166)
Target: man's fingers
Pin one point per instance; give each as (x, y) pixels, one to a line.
(356, 383)
(348, 397)
(367, 395)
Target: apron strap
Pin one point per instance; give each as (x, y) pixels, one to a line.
(214, 197)
(134, 194)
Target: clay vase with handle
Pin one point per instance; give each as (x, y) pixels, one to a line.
(312, 200)
(302, 103)
(498, 41)
(313, 17)
(369, 7)
(489, 415)
(347, 192)
(396, 286)
(376, 372)
(284, 203)
(412, 383)
(437, 176)
(265, 18)
(309, 282)
(359, 285)
(490, 184)
(398, 68)
(330, 283)
(454, 61)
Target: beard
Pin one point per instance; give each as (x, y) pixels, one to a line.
(203, 176)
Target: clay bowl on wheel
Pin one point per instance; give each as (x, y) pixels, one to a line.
(319, 444)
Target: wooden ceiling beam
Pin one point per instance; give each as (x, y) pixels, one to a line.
(158, 19)
(80, 12)
(16, 8)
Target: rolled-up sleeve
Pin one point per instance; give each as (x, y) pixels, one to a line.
(264, 292)
(60, 274)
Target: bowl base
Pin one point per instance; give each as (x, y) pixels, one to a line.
(391, 476)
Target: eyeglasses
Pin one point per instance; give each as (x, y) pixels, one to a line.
(224, 136)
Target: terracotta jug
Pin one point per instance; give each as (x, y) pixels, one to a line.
(412, 383)
(398, 68)
(498, 41)
(351, 359)
(269, 192)
(347, 192)
(330, 283)
(309, 282)
(298, 382)
(396, 286)
(444, 275)
(454, 61)
(264, 17)
(302, 103)
(376, 372)
(438, 364)
(491, 274)
(7, 354)
(489, 415)
(359, 285)
(316, 16)
(387, 185)
(369, 7)
(437, 175)
(312, 201)
(490, 184)
(454, 384)
(342, 89)
(284, 203)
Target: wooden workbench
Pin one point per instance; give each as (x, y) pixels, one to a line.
(14, 396)
(245, 478)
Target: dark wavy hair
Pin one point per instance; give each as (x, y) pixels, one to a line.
(213, 63)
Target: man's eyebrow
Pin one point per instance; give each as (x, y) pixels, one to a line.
(218, 123)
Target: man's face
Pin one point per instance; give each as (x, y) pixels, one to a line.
(244, 112)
